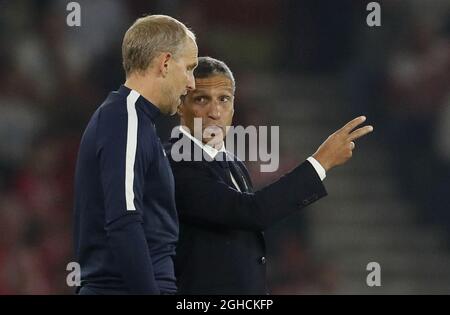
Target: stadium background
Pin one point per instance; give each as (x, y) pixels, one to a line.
(307, 66)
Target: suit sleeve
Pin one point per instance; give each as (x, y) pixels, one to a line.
(203, 199)
(123, 161)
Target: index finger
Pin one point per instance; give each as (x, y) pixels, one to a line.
(353, 124)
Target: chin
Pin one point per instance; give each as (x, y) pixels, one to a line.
(173, 112)
(172, 108)
(213, 141)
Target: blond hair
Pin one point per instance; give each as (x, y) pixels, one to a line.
(150, 36)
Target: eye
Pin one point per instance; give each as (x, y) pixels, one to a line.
(200, 100)
(225, 98)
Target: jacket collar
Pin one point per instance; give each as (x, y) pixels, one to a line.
(145, 105)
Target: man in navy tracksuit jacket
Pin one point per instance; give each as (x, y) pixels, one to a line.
(126, 225)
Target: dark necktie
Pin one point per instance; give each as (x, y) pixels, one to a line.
(232, 170)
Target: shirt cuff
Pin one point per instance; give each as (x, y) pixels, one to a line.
(319, 168)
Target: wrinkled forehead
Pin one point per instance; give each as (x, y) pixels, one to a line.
(214, 82)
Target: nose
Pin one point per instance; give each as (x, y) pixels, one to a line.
(191, 82)
(214, 110)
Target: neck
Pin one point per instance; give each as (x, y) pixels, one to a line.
(145, 86)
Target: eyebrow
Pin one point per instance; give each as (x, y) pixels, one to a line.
(201, 95)
(227, 92)
(196, 94)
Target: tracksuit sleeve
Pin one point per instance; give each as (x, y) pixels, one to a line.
(123, 161)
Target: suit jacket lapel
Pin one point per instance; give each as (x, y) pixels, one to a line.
(214, 165)
(223, 170)
(238, 175)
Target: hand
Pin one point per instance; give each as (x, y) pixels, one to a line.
(338, 148)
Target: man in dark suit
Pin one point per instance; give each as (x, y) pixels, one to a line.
(221, 248)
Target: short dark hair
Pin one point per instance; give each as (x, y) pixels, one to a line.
(208, 67)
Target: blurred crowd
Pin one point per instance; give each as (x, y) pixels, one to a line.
(52, 78)
(402, 79)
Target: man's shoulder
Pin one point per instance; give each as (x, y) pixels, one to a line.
(113, 105)
(108, 111)
(177, 144)
(115, 112)
(184, 154)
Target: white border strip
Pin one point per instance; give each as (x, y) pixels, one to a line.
(131, 148)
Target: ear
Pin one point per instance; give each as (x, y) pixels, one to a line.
(180, 109)
(163, 64)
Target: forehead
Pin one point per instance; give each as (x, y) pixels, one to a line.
(190, 49)
(213, 83)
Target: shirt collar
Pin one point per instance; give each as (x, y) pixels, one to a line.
(147, 107)
(212, 152)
